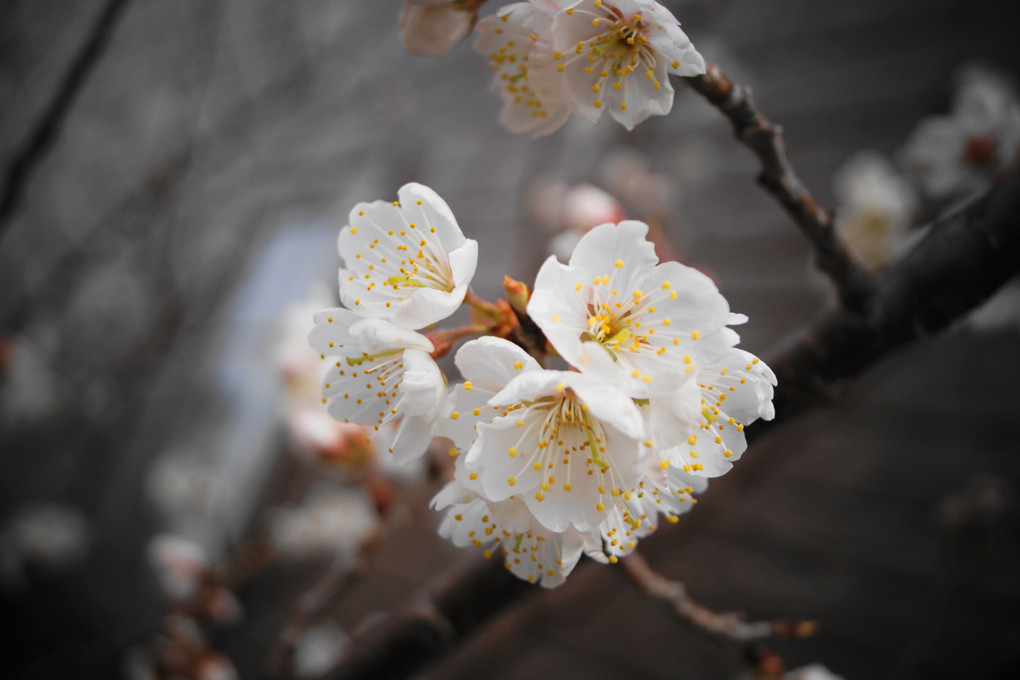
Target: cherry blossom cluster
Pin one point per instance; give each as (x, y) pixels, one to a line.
(553, 58)
(648, 398)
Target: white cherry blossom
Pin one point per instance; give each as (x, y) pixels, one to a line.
(405, 261)
(699, 428)
(507, 529)
(518, 42)
(618, 56)
(614, 312)
(876, 206)
(662, 490)
(379, 372)
(488, 364)
(561, 441)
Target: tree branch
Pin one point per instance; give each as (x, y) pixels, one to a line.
(727, 624)
(963, 259)
(778, 178)
(447, 610)
(48, 127)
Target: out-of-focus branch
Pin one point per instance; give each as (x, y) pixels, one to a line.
(727, 624)
(48, 126)
(778, 177)
(963, 259)
(445, 612)
(308, 605)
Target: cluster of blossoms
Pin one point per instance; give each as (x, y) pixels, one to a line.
(549, 464)
(552, 58)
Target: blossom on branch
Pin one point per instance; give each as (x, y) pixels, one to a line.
(405, 261)
(529, 550)
(380, 372)
(699, 428)
(518, 42)
(434, 27)
(618, 56)
(616, 312)
(563, 442)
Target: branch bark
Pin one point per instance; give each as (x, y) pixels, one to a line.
(964, 258)
(778, 178)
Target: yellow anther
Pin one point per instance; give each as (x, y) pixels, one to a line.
(600, 507)
(511, 480)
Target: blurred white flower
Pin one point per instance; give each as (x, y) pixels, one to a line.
(584, 207)
(518, 42)
(179, 564)
(434, 27)
(337, 522)
(405, 261)
(629, 176)
(815, 671)
(960, 155)
(300, 365)
(618, 56)
(181, 486)
(875, 208)
(47, 536)
(319, 650)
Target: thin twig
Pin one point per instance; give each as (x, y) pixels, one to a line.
(308, 605)
(727, 624)
(765, 139)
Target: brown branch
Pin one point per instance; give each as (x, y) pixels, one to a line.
(337, 574)
(445, 612)
(765, 139)
(727, 624)
(964, 258)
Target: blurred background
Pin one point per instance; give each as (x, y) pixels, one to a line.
(175, 173)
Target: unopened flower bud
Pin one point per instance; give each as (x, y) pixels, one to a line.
(517, 294)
